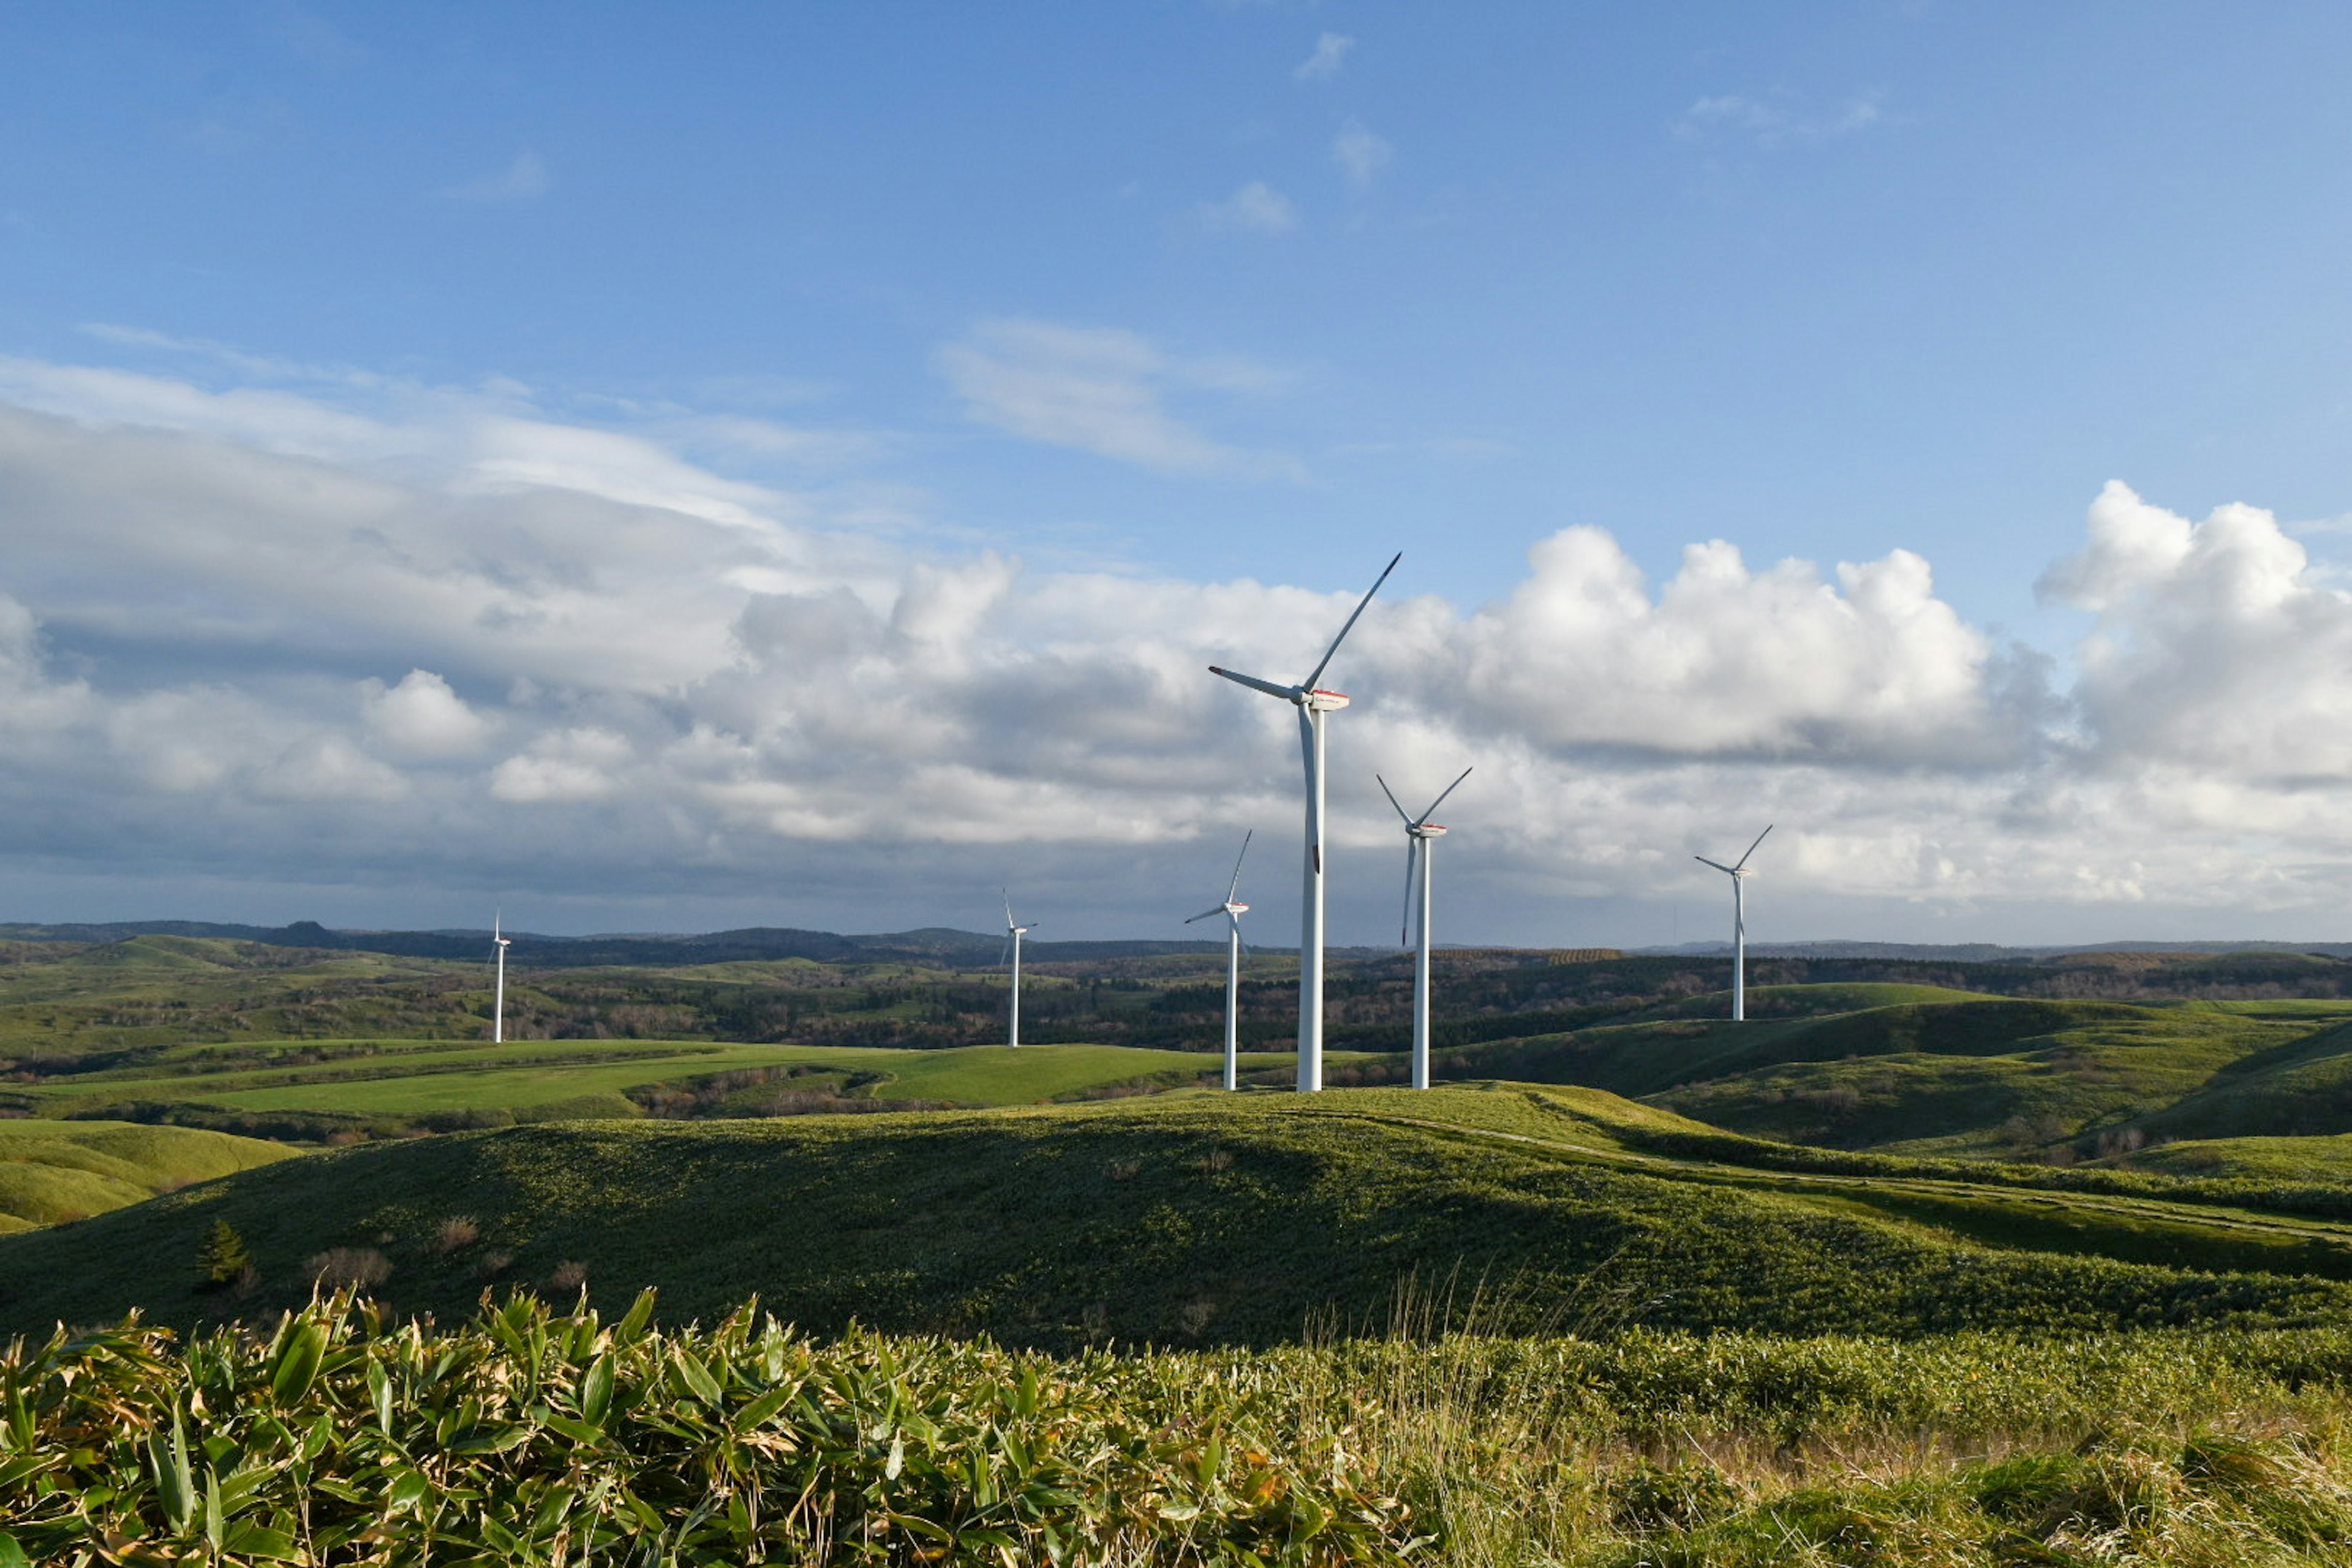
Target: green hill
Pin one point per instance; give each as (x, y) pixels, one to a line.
(1186, 1218)
(1979, 1078)
(52, 1172)
(314, 1088)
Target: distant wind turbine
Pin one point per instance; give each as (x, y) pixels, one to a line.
(1421, 837)
(1012, 935)
(1312, 702)
(499, 944)
(1738, 873)
(1233, 911)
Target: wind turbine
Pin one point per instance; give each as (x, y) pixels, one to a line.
(1421, 837)
(1012, 935)
(1233, 912)
(1312, 702)
(498, 1007)
(1739, 874)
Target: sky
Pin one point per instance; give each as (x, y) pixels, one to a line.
(657, 467)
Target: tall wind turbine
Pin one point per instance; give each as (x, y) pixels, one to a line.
(1739, 874)
(1012, 935)
(1421, 837)
(498, 1007)
(1312, 702)
(1233, 911)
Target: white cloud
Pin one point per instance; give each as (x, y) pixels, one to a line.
(1256, 206)
(1099, 389)
(1783, 118)
(2218, 647)
(1361, 154)
(707, 684)
(519, 180)
(422, 717)
(1330, 53)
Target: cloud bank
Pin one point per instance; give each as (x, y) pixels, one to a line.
(443, 639)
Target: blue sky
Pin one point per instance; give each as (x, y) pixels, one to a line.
(1185, 296)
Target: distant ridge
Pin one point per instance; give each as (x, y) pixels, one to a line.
(1980, 952)
(933, 944)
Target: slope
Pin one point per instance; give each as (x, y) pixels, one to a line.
(1993, 1078)
(1191, 1217)
(52, 1172)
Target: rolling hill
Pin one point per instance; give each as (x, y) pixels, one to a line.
(1189, 1218)
(54, 1173)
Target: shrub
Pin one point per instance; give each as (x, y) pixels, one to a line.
(359, 1267)
(569, 1277)
(454, 1235)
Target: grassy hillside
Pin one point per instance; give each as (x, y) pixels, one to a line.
(318, 1086)
(1990, 1077)
(52, 1172)
(1188, 1218)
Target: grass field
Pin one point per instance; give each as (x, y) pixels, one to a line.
(53, 1171)
(364, 1079)
(1196, 1218)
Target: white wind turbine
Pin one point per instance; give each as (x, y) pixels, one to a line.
(1421, 837)
(1233, 911)
(499, 944)
(1312, 702)
(1012, 935)
(1738, 873)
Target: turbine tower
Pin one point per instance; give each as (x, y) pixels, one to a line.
(1312, 702)
(500, 944)
(1012, 935)
(1421, 837)
(1739, 874)
(1233, 911)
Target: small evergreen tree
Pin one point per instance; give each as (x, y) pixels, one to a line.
(224, 1257)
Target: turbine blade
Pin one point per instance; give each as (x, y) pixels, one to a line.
(1434, 805)
(1008, 909)
(1308, 684)
(1204, 914)
(1412, 857)
(1392, 799)
(1288, 693)
(1006, 956)
(1716, 864)
(1306, 739)
(1237, 865)
(1751, 848)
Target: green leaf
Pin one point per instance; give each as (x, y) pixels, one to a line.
(640, 1313)
(10, 1554)
(296, 1363)
(696, 1377)
(174, 1485)
(596, 1391)
(897, 1460)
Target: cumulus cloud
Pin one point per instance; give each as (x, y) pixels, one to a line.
(1256, 206)
(1330, 54)
(421, 717)
(483, 636)
(2217, 647)
(1099, 389)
